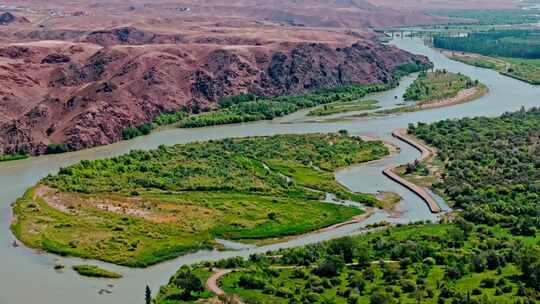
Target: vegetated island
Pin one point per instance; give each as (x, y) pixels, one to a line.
(439, 88)
(95, 271)
(488, 253)
(344, 107)
(148, 206)
(514, 53)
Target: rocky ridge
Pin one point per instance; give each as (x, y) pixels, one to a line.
(84, 93)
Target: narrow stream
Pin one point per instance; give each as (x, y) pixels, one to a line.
(28, 277)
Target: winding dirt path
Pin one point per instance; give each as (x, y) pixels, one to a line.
(426, 152)
(212, 282)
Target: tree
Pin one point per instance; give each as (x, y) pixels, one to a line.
(381, 297)
(148, 295)
(358, 282)
(187, 282)
(330, 267)
(343, 247)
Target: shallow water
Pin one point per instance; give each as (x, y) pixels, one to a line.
(29, 277)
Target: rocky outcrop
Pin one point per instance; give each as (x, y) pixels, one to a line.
(56, 59)
(84, 96)
(130, 36)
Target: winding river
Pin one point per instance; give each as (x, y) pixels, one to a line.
(28, 277)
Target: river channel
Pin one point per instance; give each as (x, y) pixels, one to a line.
(27, 276)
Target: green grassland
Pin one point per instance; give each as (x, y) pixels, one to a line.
(434, 86)
(95, 271)
(148, 206)
(344, 107)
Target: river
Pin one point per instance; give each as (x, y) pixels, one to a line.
(28, 277)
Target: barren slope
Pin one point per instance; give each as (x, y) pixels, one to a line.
(83, 94)
(80, 72)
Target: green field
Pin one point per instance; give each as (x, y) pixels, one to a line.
(148, 206)
(344, 107)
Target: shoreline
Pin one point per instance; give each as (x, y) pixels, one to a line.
(369, 211)
(425, 153)
(40, 191)
(452, 55)
(462, 96)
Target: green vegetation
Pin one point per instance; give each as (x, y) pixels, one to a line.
(11, 157)
(252, 108)
(132, 132)
(518, 51)
(527, 70)
(409, 68)
(57, 148)
(489, 253)
(419, 263)
(505, 43)
(434, 86)
(94, 271)
(343, 107)
(492, 167)
(148, 206)
(477, 61)
(249, 107)
(185, 286)
(490, 17)
(169, 118)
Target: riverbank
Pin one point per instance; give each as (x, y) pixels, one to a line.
(246, 189)
(526, 70)
(426, 152)
(463, 96)
(23, 267)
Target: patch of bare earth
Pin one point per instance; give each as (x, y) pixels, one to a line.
(148, 209)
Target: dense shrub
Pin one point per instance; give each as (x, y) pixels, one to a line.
(57, 148)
